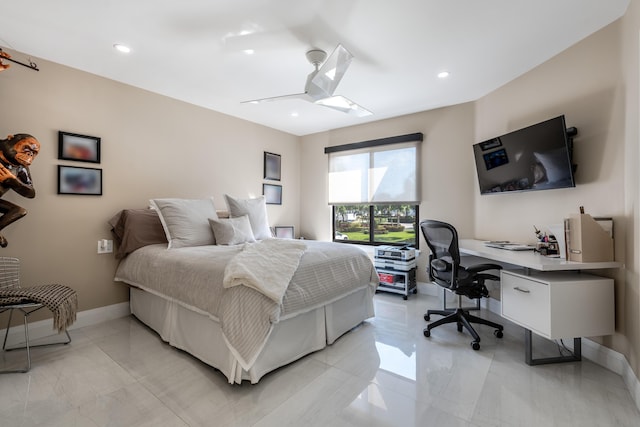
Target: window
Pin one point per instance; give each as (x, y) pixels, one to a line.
(376, 224)
(374, 191)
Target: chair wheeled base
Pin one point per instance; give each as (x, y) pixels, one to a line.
(464, 319)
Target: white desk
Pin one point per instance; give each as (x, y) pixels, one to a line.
(555, 301)
(529, 259)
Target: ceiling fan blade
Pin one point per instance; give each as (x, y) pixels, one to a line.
(303, 96)
(344, 105)
(328, 77)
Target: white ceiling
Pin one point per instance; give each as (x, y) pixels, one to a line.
(193, 50)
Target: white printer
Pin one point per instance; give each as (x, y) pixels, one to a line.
(395, 253)
(395, 258)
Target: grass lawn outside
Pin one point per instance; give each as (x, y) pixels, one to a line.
(392, 237)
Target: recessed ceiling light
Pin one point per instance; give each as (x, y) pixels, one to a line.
(443, 74)
(122, 48)
(249, 51)
(294, 114)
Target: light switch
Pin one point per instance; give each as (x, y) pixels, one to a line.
(105, 246)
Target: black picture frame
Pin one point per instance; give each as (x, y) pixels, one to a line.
(272, 166)
(79, 181)
(79, 148)
(284, 232)
(272, 194)
(495, 158)
(490, 144)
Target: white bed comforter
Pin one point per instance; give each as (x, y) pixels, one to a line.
(194, 276)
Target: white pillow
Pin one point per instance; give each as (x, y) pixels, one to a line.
(186, 221)
(232, 231)
(256, 209)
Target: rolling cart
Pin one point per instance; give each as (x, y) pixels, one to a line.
(397, 270)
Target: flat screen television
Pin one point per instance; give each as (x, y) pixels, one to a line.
(537, 157)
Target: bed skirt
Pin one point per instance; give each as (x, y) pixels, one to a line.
(291, 338)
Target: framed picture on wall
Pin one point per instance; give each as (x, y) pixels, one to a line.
(284, 232)
(83, 181)
(80, 148)
(272, 194)
(272, 166)
(490, 144)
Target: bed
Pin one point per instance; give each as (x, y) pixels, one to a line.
(246, 307)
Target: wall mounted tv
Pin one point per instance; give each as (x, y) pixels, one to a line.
(537, 157)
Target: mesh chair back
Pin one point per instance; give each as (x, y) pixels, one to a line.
(442, 239)
(9, 273)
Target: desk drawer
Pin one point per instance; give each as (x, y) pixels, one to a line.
(526, 302)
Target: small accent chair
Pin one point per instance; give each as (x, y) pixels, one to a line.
(29, 300)
(445, 270)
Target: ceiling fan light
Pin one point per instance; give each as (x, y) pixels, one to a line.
(345, 105)
(337, 101)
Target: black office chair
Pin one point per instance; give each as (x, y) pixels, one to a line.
(445, 270)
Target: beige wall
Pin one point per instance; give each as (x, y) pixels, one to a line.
(582, 85)
(587, 84)
(152, 146)
(447, 169)
(628, 298)
(595, 84)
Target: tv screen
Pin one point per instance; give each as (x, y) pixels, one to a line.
(537, 157)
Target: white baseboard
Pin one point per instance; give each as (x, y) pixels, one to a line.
(632, 382)
(44, 328)
(596, 353)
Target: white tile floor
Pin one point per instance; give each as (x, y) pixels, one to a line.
(384, 373)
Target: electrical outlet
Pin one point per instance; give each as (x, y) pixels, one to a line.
(105, 246)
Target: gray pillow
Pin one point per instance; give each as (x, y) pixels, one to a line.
(256, 209)
(232, 231)
(135, 228)
(186, 221)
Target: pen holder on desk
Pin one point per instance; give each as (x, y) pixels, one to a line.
(547, 248)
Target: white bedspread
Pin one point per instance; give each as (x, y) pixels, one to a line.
(266, 266)
(193, 277)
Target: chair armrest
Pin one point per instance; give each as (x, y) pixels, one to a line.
(440, 265)
(485, 276)
(482, 267)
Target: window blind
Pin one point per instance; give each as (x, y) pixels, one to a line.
(379, 171)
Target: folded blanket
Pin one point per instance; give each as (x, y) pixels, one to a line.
(264, 269)
(60, 299)
(266, 266)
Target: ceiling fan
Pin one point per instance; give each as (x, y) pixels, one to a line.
(323, 81)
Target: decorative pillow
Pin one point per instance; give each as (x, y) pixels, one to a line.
(135, 228)
(186, 221)
(256, 209)
(232, 231)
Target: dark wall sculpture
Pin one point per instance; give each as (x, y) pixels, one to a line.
(17, 152)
